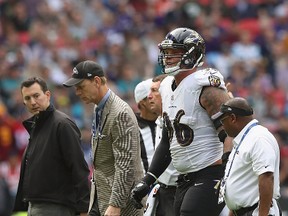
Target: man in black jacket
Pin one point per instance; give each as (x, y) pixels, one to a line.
(54, 173)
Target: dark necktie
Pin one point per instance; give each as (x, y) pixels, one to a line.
(97, 117)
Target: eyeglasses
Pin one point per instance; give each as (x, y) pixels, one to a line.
(222, 120)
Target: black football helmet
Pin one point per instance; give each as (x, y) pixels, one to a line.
(187, 40)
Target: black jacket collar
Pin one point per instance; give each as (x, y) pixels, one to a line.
(29, 124)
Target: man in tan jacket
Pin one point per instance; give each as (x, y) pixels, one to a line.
(115, 142)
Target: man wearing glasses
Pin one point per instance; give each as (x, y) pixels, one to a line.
(250, 185)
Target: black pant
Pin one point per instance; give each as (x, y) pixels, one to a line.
(196, 194)
(248, 211)
(95, 209)
(166, 197)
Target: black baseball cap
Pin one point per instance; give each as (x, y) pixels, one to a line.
(84, 70)
(226, 109)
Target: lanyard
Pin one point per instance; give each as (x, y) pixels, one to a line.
(244, 135)
(223, 181)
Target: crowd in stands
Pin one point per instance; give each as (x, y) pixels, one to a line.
(247, 40)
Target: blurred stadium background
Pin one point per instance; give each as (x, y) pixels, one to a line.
(247, 40)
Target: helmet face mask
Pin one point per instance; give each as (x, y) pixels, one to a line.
(189, 42)
(171, 57)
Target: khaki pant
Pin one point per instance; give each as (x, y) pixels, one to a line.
(49, 209)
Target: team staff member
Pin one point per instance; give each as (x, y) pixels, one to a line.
(115, 142)
(54, 173)
(189, 137)
(165, 195)
(146, 121)
(251, 181)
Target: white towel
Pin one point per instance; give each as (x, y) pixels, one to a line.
(152, 202)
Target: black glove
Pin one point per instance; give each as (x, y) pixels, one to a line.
(137, 194)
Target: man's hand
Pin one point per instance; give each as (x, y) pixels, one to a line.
(112, 211)
(229, 87)
(137, 194)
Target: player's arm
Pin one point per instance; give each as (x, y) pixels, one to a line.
(211, 99)
(161, 160)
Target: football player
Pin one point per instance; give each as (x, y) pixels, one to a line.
(191, 139)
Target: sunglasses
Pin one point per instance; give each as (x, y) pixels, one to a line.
(235, 110)
(222, 120)
(226, 116)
